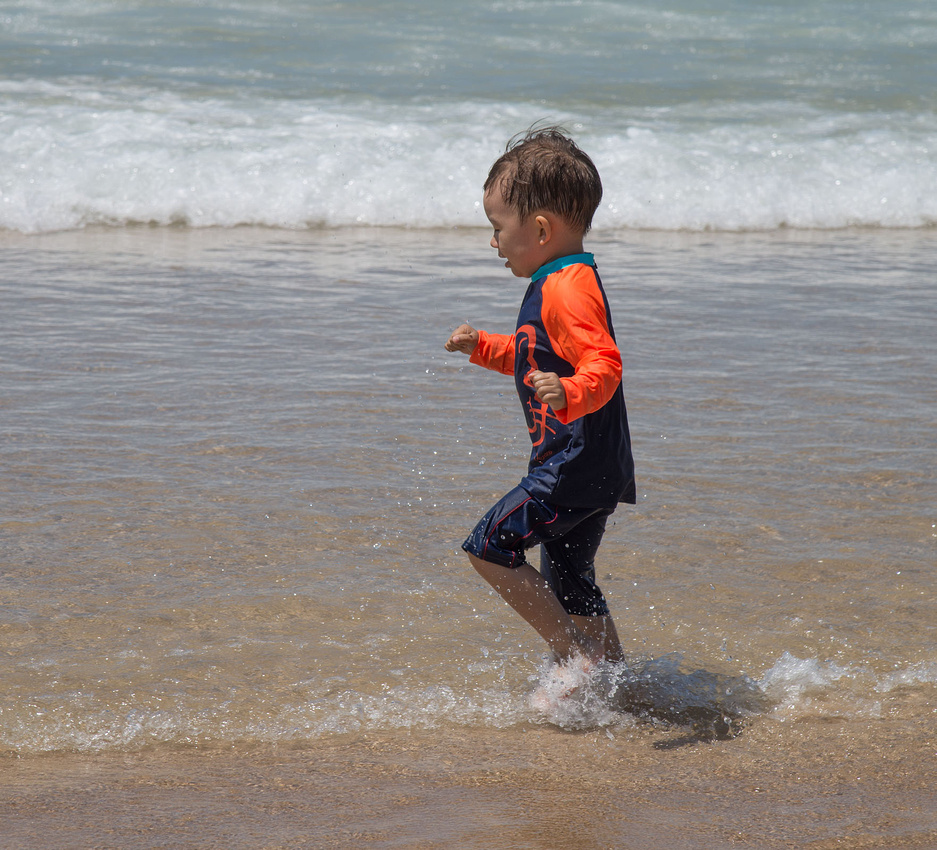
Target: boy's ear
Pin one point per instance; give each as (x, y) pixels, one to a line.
(544, 228)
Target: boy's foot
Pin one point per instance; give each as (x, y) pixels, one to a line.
(562, 681)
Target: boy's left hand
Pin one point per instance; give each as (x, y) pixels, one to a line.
(549, 388)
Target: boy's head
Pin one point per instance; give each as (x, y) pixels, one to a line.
(544, 170)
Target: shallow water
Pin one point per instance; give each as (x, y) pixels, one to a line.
(237, 467)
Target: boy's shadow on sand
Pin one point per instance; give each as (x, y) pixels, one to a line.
(711, 706)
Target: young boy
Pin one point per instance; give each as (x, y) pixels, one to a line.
(540, 197)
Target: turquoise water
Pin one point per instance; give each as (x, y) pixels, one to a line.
(833, 55)
(736, 116)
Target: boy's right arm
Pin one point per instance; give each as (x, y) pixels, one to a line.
(493, 351)
(464, 338)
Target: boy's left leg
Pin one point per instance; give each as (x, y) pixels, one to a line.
(528, 593)
(496, 548)
(562, 601)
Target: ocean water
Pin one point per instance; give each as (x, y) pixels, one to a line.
(729, 116)
(236, 464)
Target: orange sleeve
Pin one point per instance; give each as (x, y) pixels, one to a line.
(575, 318)
(495, 352)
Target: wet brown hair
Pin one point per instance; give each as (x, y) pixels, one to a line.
(544, 169)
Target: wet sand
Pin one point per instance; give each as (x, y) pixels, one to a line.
(819, 785)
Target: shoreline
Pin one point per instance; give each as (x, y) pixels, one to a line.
(533, 787)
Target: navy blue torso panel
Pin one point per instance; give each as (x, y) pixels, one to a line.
(588, 462)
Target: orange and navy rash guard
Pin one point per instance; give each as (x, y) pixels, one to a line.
(581, 456)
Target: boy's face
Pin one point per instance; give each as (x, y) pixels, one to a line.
(518, 242)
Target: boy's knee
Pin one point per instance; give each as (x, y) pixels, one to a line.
(495, 574)
(484, 567)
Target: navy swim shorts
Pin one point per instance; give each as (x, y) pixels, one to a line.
(568, 537)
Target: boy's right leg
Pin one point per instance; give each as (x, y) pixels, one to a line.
(568, 566)
(528, 593)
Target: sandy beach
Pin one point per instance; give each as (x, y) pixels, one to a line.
(823, 784)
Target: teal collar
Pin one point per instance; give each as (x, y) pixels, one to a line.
(562, 263)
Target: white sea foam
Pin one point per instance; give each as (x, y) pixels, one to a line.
(662, 689)
(810, 687)
(77, 153)
(923, 673)
(90, 726)
(791, 680)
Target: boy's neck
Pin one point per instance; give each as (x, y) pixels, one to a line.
(564, 245)
(564, 248)
(556, 237)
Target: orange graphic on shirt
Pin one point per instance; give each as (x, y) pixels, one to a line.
(539, 411)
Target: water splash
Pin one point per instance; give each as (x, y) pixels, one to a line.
(667, 689)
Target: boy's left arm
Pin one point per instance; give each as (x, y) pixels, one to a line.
(578, 325)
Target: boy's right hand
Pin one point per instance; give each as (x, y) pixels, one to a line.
(464, 338)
